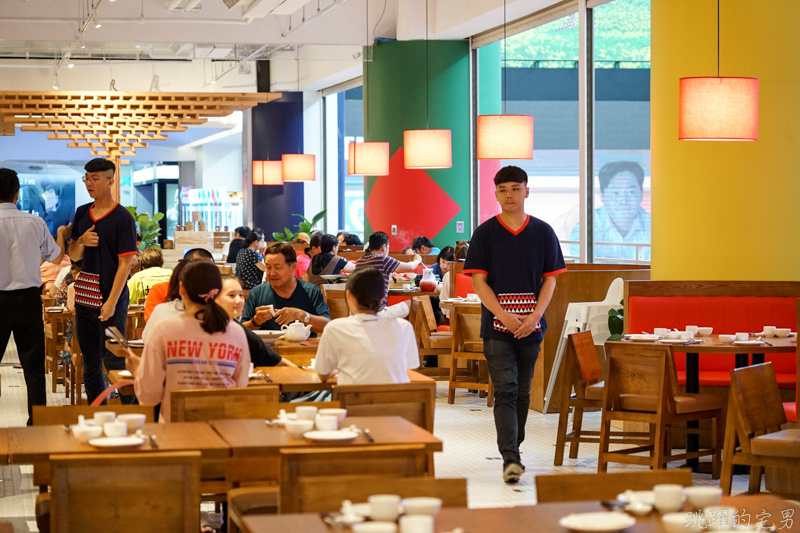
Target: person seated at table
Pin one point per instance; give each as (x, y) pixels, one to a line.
(327, 262)
(250, 262)
(365, 348)
(353, 240)
(231, 299)
(460, 254)
(50, 272)
(159, 292)
(304, 259)
(151, 272)
(173, 306)
(342, 237)
(231, 248)
(407, 251)
(66, 296)
(378, 256)
(424, 246)
(284, 298)
(199, 349)
(443, 262)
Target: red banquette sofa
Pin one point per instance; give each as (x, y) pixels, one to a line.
(728, 307)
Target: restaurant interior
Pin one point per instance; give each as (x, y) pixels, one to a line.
(664, 392)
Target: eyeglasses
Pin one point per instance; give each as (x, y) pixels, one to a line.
(87, 179)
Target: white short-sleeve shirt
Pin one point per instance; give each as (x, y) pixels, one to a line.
(368, 350)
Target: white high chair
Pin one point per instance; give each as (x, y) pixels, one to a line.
(583, 316)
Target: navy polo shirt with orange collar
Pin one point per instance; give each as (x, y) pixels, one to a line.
(515, 264)
(117, 233)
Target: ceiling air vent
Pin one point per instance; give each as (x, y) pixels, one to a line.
(230, 3)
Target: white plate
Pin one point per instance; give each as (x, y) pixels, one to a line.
(748, 343)
(333, 276)
(343, 435)
(644, 496)
(615, 521)
(117, 442)
(138, 343)
(125, 374)
(642, 338)
(674, 341)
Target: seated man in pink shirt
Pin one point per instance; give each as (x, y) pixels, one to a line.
(201, 348)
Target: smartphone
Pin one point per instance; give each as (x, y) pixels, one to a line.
(115, 334)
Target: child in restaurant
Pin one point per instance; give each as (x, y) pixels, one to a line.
(365, 348)
(199, 349)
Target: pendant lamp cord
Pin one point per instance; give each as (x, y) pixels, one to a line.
(427, 66)
(503, 64)
(299, 139)
(365, 67)
(718, 38)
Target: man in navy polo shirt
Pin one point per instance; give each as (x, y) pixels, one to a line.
(513, 260)
(104, 237)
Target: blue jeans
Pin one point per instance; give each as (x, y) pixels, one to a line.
(511, 369)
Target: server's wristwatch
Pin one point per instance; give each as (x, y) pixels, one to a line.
(307, 318)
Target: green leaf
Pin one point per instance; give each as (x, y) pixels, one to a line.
(131, 210)
(305, 227)
(616, 324)
(278, 236)
(319, 216)
(157, 217)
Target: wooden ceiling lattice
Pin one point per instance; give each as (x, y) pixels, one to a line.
(115, 124)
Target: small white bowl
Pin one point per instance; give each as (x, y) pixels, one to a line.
(782, 333)
(133, 420)
(638, 508)
(341, 414)
(86, 433)
(673, 335)
(681, 523)
(704, 331)
(702, 497)
(375, 527)
(297, 428)
(727, 339)
(422, 506)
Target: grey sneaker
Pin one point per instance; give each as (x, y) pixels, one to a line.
(512, 472)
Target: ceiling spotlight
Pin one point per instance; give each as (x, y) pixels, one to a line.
(56, 85)
(213, 81)
(80, 39)
(70, 65)
(97, 23)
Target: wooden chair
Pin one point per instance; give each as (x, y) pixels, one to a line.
(582, 373)
(94, 493)
(335, 299)
(380, 461)
(413, 401)
(592, 487)
(326, 494)
(269, 410)
(202, 405)
(467, 344)
(73, 379)
(54, 343)
(642, 386)
(429, 342)
(755, 408)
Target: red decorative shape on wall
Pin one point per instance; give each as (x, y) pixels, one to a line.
(412, 200)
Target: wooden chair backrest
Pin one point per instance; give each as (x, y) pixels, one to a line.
(428, 315)
(336, 300)
(413, 401)
(758, 398)
(592, 487)
(381, 461)
(637, 369)
(584, 357)
(456, 267)
(415, 318)
(327, 494)
(57, 415)
(465, 323)
(125, 492)
(269, 410)
(202, 405)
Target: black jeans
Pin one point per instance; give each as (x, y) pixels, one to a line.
(511, 368)
(21, 314)
(91, 334)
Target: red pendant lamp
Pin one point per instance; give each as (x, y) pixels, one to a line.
(427, 148)
(367, 158)
(504, 136)
(718, 108)
(299, 167)
(267, 173)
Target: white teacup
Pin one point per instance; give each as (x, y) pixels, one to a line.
(422, 506)
(782, 333)
(115, 428)
(101, 417)
(384, 507)
(296, 428)
(719, 518)
(727, 339)
(673, 334)
(769, 331)
(693, 329)
(472, 297)
(661, 332)
(741, 336)
(406, 286)
(327, 423)
(340, 414)
(305, 412)
(702, 497)
(668, 497)
(416, 524)
(687, 335)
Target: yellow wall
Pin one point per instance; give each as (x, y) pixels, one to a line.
(727, 210)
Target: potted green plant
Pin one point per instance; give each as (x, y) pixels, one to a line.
(306, 226)
(148, 227)
(616, 322)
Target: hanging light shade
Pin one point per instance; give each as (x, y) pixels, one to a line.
(505, 137)
(427, 149)
(718, 109)
(299, 167)
(368, 159)
(267, 173)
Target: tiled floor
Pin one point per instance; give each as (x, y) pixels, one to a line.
(466, 427)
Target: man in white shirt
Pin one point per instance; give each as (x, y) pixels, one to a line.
(364, 348)
(24, 240)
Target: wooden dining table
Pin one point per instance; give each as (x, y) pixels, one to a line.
(414, 292)
(293, 379)
(3, 445)
(450, 304)
(524, 519)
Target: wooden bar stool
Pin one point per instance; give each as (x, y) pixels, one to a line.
(642, 386)
(582, 373)
(755, 408)
(467, 344)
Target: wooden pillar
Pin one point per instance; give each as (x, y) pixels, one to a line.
(115, 192)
